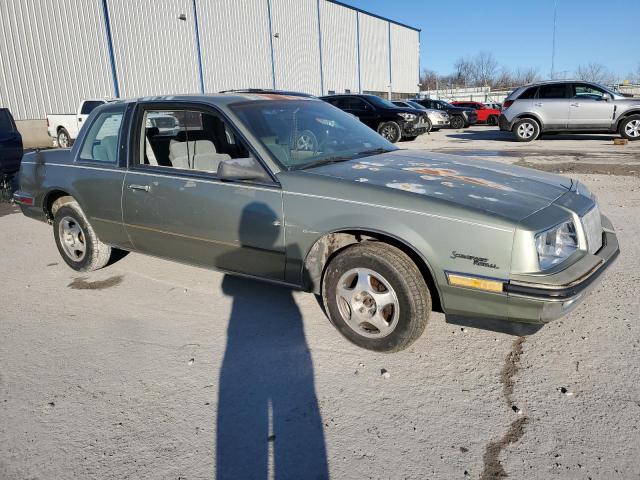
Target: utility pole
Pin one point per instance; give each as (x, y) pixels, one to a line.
(553, 42)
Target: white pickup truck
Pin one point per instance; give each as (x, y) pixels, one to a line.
(64, 127)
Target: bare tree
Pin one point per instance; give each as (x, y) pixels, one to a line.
(428, 80)
(485, 69)
(463, 72)
(594, 72)
(522, 76)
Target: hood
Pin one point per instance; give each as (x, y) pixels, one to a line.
(505, 190)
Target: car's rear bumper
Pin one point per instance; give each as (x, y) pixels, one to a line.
(503, 123)
(530, 301)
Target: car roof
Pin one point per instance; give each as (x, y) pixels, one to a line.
(226, 98)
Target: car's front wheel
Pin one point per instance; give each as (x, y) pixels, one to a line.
(391, 131)
(457, 122)
(376, 297)
(630, 128)
(77, 243)
(526, 130)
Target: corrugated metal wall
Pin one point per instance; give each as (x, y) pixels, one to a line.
(296, 49)
(339, 47)
(235, 45)
(52, 53)
(155, 52)
(405, 63)
(374, 53)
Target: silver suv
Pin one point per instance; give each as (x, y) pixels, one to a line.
(569, 106)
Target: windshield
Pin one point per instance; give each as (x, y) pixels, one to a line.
(445, 104)
(304, 133)
(417, 105)
(379, 102)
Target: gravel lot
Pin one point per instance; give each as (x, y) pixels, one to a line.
(151, 369)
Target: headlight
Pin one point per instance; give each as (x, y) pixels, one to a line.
(556, 244)
(408, 116)
(445, 115)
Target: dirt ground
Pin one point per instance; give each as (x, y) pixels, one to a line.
(151, 369)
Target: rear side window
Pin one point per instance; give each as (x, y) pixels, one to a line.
(101, 141)
(556, 90)
(89, 106)
(528, 94)
(6, 121)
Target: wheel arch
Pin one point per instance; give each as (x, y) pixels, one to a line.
(330, 244)
(50, 199)
(625, 115)
(531, 116)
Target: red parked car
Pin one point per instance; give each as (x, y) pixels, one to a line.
(485, 114)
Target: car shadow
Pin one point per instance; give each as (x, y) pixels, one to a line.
(491, 133)
(267, 403)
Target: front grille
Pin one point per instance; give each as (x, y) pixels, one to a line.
(592, 225)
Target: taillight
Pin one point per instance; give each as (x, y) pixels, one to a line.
(507, 104)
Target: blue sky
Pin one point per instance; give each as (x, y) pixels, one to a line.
(519, 33)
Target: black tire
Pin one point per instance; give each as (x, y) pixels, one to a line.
(457, 122)
(390, 131)
(526, 130)
(407, 287)
(64, 139)
(492, 121)
(630, 128)
(69, 217)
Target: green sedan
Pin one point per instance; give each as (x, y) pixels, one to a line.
(289, 189)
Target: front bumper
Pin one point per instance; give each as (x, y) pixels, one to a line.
(414, 128)
(528, 302)
(554, 296)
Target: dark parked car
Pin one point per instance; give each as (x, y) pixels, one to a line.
(10, 144)
(392, 122)
(459, 117)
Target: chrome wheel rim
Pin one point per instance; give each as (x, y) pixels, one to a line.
(389, 133)
(367, 303)
(63, 140)
(526, 130)
(72, 239)
(632, 128)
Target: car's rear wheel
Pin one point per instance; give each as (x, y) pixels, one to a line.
(391, 131)
(526, 130)
(376, 297)
(64, 139)
(630, 128)
(457, 122)
(492, 120)
(76, 240)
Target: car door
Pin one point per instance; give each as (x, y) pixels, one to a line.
(552, 105)
(175, 206)
(588, 109)
(364, 111)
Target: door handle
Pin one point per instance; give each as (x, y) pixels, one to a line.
(575, 104)
(539, 104)
(143, 188)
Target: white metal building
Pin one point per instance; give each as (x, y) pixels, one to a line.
(53, 53)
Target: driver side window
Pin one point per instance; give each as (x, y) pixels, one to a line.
(190, 140)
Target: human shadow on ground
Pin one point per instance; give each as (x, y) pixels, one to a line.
(267, 399)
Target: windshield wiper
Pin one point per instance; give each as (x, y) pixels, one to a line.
(373, 151)
(326, 161)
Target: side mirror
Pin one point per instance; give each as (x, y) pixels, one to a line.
(606, 97)
(240, 169)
